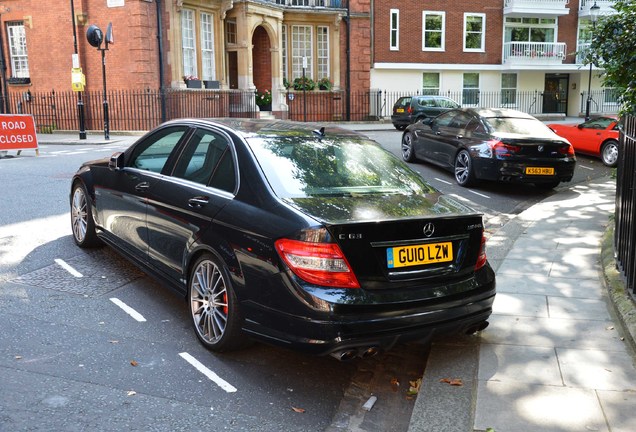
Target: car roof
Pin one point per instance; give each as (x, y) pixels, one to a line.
(498, 112)
(247, 127)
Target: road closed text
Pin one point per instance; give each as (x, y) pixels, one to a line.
(17, 132)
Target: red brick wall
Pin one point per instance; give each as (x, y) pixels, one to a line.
(410, 28)
(360, 48)
(131, 62)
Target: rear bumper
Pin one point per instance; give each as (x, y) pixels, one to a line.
(378, 325)
(511, 171)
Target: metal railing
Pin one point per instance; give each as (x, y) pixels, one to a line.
(625, 216)
(534, 52)
(142, 110)
(333, 4)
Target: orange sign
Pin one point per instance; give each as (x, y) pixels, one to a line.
(17, 132)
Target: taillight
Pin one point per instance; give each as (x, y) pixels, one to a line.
(501, 149)
(481, 259)
(410, 110)
(317, 263)
(567, 150)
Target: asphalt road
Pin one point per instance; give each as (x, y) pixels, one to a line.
(89, 342)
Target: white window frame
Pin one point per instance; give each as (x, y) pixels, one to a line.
(208, 64)
(322, 48)
(188, 43)
(442, 31)
(18, 50)
(471, 89)
(468, 15)
(298, 51)
(284, 51)
(394, 30)
(431, 90)
(509, 89)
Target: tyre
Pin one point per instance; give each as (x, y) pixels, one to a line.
(213, 306)
(82, 223)
(609, 153)
(464, 173)
(408, 150)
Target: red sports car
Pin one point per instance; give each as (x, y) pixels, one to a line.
(596, 137)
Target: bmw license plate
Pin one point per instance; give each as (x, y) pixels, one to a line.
(404, 256)
(539, 171)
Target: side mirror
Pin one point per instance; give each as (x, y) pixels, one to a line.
(116, 161)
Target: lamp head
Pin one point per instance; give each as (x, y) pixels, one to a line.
(594, 10)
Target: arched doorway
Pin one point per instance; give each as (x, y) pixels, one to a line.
(262, 61)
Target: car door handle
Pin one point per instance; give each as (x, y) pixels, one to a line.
(198, 202)
(143, 186)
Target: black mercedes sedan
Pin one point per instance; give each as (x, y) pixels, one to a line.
(299, 235)
(491, 144)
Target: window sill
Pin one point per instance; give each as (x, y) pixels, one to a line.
(19, 81)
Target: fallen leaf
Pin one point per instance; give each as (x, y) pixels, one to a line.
(456, 382)
(395, 384)
(298, 410)
(609, 328)
(134, 363)
(445, 380)
(131, 393)
(414, 387)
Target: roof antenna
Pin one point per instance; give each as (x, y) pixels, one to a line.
(321, 132)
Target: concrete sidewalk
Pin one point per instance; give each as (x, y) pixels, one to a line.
(554, 357)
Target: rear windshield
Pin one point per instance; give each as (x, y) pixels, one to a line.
(304, 167)
(520, 126)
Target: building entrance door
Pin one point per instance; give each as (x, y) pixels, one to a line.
(555, 93)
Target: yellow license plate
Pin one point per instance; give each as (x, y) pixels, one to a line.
(404, 256)
(539, 171)
(400, 110)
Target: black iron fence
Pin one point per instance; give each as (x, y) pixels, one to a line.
(625, 226)
(145, 109)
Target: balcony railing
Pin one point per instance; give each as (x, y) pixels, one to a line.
(303, 4)
(534, 53)
(536, 7)
(605, 5)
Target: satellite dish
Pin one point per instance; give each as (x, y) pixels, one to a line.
(94, 35)
(109, 33)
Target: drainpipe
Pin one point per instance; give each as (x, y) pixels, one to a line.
(3, 71)
(162, 92)
(348, 71)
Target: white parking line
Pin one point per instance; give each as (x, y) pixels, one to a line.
(587, 168)
(208, 373)
(480, 194)
(68, 268)
(443, 181)
(130, 311)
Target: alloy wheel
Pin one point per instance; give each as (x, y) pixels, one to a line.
(209, 302)
(79, 215)
(609, 153)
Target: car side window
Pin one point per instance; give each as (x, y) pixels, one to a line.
(460, 121)
(444, 120)
(403, 102)
(152, 154)
(201, 156)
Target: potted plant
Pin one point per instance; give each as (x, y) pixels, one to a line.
(324, 84)
(305, 83)
(192, 81)
(264, 100)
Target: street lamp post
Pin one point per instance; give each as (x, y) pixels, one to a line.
(593, 17)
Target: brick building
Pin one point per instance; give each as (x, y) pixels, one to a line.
(245, 44)
(516, 53)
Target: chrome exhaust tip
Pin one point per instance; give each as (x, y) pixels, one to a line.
(477, 327)
(344, 355)
(369, 352)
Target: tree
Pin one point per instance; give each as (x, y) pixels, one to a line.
(613, 49)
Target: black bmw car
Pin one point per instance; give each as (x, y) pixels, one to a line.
(491, 144)
(308, 237)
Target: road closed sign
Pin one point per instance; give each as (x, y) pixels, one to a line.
(17, 132)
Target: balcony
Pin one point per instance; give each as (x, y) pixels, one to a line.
(581, 50)
(534, 53)
(536, 7)
(310, 4)
(605, 5)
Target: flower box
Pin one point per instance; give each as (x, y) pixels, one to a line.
(194, 84)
